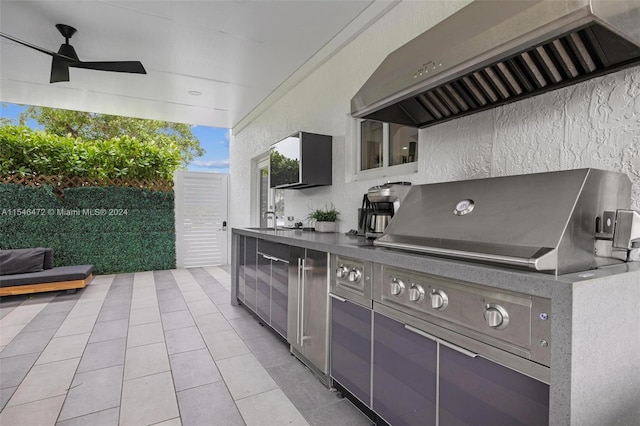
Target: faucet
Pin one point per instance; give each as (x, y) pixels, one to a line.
(275, 220)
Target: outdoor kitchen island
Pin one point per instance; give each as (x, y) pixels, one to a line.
(594, 320)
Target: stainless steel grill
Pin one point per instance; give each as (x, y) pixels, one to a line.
(556, 222)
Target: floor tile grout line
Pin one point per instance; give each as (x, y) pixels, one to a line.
(83, 415)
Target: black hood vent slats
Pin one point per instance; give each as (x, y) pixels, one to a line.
(579, 55)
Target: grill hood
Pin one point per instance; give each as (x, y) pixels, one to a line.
(552, 222)
(493, 52)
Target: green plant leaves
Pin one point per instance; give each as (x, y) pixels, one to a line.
(27, 151)
(115, 229)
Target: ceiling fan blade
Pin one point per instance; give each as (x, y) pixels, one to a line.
(134, 67)
(59, 70)
(26, 43)
(38, 48)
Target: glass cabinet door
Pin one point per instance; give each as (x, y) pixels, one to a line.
(263, 288)
(404, 374)
(241, 267)
(351, 348)
(279, 295)
(250, 272)
(476, 391)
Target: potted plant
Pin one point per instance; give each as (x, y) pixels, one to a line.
(325, 219)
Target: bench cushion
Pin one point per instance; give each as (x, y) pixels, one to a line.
(20, 261)
(61, 273)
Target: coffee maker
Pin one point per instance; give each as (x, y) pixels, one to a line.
(379, 205)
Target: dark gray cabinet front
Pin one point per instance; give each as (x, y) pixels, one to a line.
(476, 391)
(250, 272)
(279, 295)
(272, 284)
(351, 347)
(240, 239)
(263, 288)
(404, 374)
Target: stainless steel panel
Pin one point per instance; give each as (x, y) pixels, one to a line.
(308, 313)
(541, 317)
(485, 33)
(315, 315)
(295, 278)
(466, 304)
(358, 291)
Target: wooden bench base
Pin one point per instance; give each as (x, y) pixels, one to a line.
(37, 288)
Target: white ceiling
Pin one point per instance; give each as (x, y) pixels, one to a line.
(236, 53)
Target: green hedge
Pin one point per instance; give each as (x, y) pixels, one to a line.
(115, 229)
(27, 151)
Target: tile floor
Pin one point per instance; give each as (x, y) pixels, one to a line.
(163, 348)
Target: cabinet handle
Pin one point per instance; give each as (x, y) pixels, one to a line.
(457, 348)
(302, 285)
(342, 299)
(299, 292)
(420, 332)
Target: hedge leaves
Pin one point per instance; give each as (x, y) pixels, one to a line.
(27, 151)
(115, 229)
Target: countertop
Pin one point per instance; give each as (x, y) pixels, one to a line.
(529, 282)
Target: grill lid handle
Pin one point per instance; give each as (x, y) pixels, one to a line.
(627, 232)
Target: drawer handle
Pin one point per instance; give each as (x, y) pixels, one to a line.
(440, 341)
(342, 299)
(457, 348)
(420, 332)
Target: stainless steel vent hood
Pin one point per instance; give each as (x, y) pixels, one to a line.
(493, 52)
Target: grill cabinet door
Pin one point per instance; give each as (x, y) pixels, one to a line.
(351, 348)
(476, 391)
(404, 374)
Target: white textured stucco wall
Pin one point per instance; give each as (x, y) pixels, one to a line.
(593, 124)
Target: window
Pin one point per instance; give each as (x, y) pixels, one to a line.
(266, 198)
(385, 148)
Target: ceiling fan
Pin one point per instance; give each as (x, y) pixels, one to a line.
(66, 57)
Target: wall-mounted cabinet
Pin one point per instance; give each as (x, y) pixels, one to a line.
(303, 160)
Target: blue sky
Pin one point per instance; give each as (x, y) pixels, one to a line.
(214, 140)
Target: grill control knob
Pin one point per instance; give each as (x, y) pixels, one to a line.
(416, 293)
(341, 271)
(354, 275)
(397, 287)
(439, 300)
(495, 316)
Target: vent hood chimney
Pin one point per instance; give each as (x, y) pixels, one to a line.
(493, 52)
